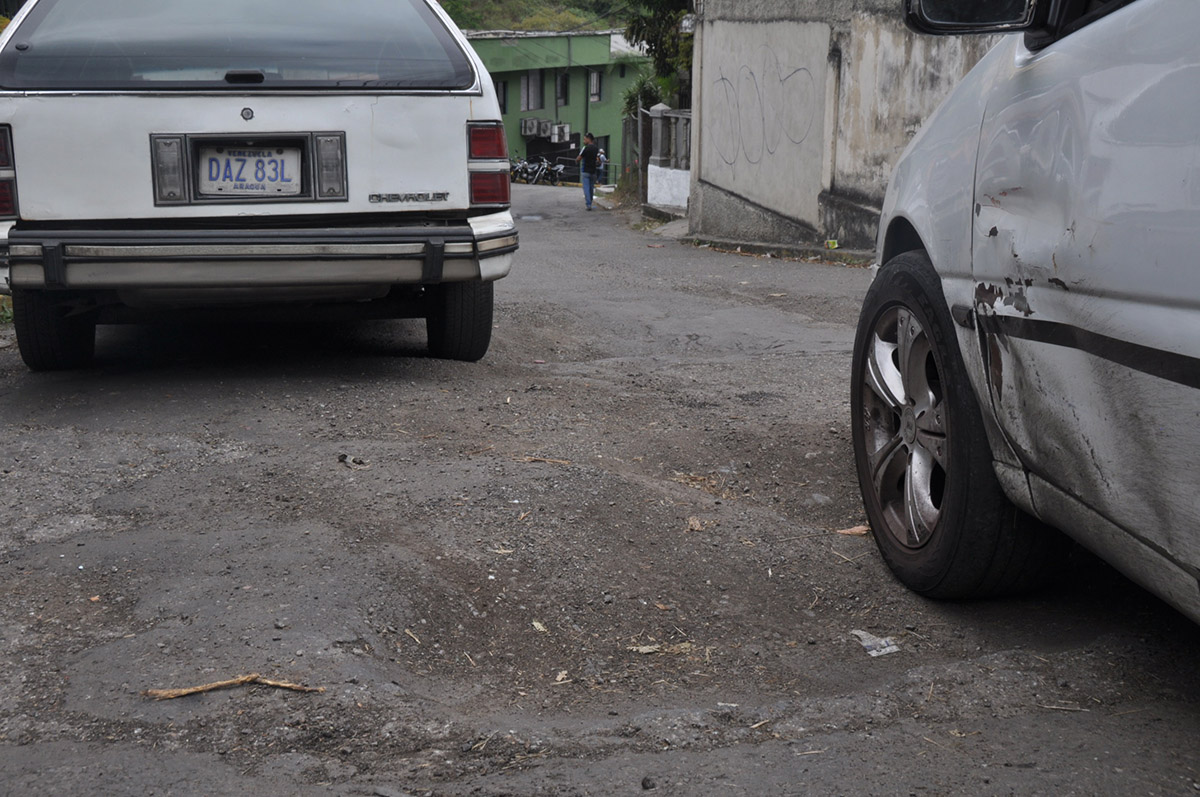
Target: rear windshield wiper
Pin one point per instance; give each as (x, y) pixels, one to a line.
(245, 76)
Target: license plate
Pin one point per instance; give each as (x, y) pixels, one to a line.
(249, 171)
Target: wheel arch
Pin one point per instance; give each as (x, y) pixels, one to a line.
(900, 236)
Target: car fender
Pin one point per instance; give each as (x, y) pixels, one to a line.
(929, 205)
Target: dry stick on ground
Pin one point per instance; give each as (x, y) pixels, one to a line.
(548, 461)
(241, 680)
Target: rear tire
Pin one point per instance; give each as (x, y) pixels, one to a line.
(936, 509)
(51, 333)
(459, 323)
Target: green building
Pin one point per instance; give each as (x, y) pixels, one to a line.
(554, 87)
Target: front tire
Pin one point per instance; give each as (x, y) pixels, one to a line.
(53, 334)
(924, 464)
(459, 323)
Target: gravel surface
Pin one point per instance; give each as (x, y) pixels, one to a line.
(604, 560)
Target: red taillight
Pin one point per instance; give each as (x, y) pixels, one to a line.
(8, 198)
(487, 142)
(490, 188)
(8, 175)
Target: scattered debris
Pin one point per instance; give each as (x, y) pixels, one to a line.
(696, 524)
(876, 646)
(354, 463)
(678, 649)
(831, 244)
(411, 634)
(537, 626)
(548, 461)
(856, 531)
(241, 680)
(710, 484)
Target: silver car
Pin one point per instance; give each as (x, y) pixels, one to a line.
(1026, 358)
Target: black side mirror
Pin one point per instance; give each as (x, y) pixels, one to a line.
(949, 17)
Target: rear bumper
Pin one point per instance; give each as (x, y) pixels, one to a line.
(94, 259)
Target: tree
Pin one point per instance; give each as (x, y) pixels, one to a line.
(646, 91)
(464, 13)
(655, 23)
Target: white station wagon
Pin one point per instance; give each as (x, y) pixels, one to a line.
(158, 156)
(1030, 347)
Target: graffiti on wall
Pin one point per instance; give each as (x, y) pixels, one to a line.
(761, 107)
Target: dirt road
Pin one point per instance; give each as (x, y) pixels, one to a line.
(605, 560)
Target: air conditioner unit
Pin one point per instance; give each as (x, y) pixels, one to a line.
(529, 127)
(561, 134)
(545, 127)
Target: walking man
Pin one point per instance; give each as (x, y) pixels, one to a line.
(589, 157)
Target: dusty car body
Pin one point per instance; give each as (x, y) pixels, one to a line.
(1038, 241)
(166, 155)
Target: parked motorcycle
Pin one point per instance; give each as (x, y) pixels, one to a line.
(537, 171)
(518, 167)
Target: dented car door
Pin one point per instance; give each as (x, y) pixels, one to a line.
(1084, 247)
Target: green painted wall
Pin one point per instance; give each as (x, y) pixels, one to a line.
(509, 57)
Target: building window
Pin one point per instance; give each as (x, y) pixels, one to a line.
(595, 84)
(502, 95)
(563, 89)
(531, 91)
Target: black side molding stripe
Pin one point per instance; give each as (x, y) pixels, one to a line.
(1178, 368)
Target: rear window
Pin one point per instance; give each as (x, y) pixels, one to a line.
(268, 44)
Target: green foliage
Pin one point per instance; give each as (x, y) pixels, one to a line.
(5, 306)
(535, 14)
(558, 19)
(655, 23)
(464, 14)
(647, 88)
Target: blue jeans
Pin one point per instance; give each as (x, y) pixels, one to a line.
(589, 185)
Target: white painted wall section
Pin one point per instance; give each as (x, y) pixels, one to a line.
(668, 188)
(762, 112)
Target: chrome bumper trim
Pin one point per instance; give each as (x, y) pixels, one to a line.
(132, 259)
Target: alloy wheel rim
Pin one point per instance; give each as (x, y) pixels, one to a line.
(906, 434)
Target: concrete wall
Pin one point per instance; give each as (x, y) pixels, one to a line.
(666, 187)
(804, 106)
(762, 111)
